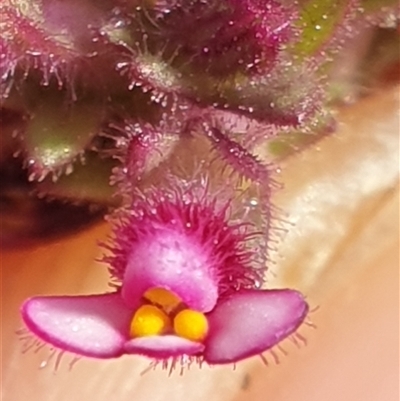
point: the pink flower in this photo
(188, 284)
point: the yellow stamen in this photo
(191, 324)
(162, 298)
(149, 321)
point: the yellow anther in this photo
(149, 321)
(191, 324)
(163, 298)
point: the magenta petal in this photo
(252, 321)
(95, 325)
(163, 346)
(170, 260)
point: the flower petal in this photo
(96, 325)
(163, 346)
(170, 260)
(252, 321)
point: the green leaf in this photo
(59, 130)
(319, 22)
(89, 182)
